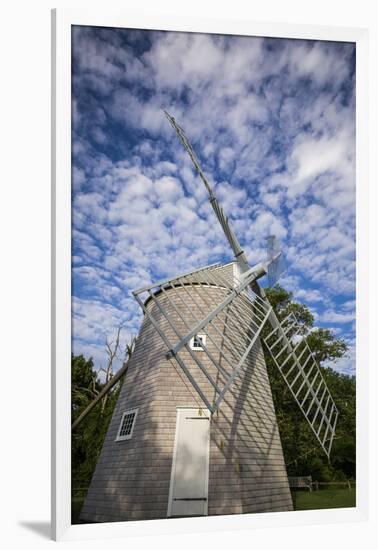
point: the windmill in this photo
(194, 431)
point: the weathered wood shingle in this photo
(247, 472)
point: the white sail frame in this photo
(301, 372)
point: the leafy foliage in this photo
(88, 438)
(303, 455)
(325, 346)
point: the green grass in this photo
(324, 498)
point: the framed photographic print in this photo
(207, 350)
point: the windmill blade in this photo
(184, 140)
(276, 263)
(289, 350)
(227, 314)
(219, 212)
(300, 370)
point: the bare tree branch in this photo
(111, 379)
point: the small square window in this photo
(126, 427)
(197, 342)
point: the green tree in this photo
(88, 438)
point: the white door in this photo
(190, 466)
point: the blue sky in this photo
(273, 124)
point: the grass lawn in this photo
(324, 498)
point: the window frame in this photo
(128, 436)
(196, 348)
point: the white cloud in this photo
(313, 157)
(267, 224)
(309, 295)
(318, 63)
(178, 58)
(274, 132)
(272, 200)
(305, 220)
(168, 189)
(337, 317)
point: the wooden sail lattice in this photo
(231, 328)
(288, 347)
(300, 370)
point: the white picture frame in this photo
(62, 20)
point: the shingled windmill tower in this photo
(194, 431)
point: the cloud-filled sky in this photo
(273, 124)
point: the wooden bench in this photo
(300, 482)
